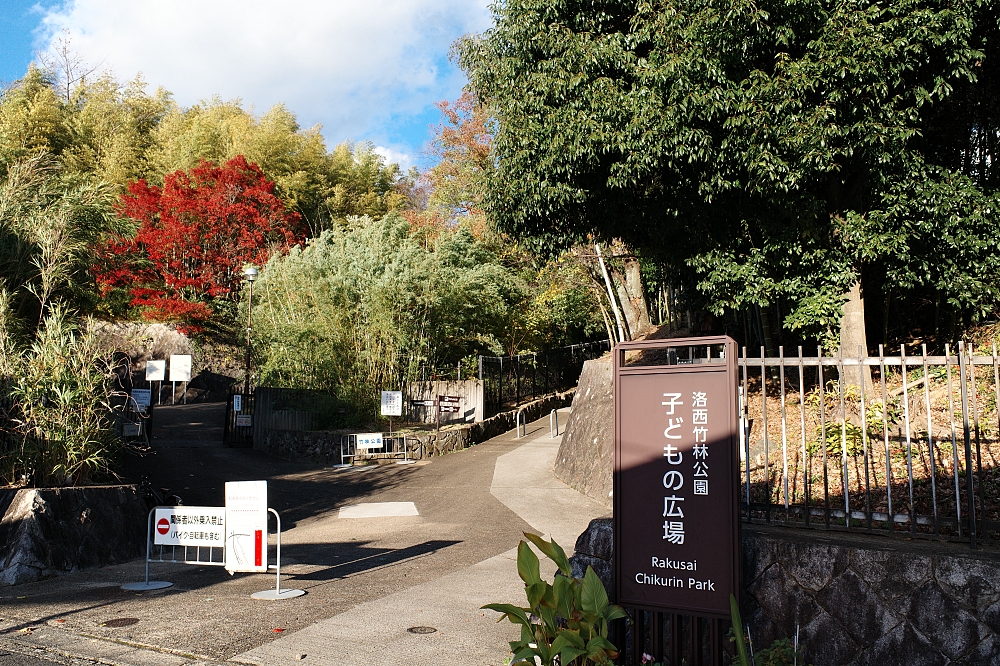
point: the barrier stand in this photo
(520, 422)
(554, 414)
(147, 584)
(277, 592)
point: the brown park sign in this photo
(676, 511)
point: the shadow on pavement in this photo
(354, 558)
(189, 457)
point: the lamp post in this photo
(250, 273)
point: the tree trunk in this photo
(632, 297)
(853, 341)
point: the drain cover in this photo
(119, 622)
(422, 630)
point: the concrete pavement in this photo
(368, 580)
(376, 633)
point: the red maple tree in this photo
(195, 235)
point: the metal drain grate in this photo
(120, 622)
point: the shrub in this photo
(57, 423)
(565, 622)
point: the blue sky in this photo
(367, 71)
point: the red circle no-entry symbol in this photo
(162, 526)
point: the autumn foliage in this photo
(195, 235)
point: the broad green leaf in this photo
(594, 597)
(551, 550)
(527, 564)
(516, 614)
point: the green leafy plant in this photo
(58, 422)
(566, 621)
(741, 645)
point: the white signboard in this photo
(244, 420)
(180, 368)
(237, 403)
(369, 440)
(190, 526)
(156, 371)
(392, 403)
(246, 526)
(141, 398)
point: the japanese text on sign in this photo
(189, 526)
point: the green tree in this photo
(323, 186)
(795, 151)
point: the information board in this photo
(141, 398)
(180, 368)
(202, 526)
(237, 403)
(156, 371)
(392, 403)
(246, 526)
(676, 512)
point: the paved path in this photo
(375, 633)
(368, 580)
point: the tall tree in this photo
(792, 151)
(194, 236)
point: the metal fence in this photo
(511, 380)
(906, 444)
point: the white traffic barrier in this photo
(147, 584)
(553, 432)
(277, 592)
(233, 536)
(520, 422)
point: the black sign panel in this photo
(677, 545)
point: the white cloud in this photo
(390, 155)
(347, 64)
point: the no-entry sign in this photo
(677, 544)
(202, 526)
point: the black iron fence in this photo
(906, 444)
(509, 381)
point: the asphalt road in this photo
(339, 562)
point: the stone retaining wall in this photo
(856, 599)
(44, 531)
(586, 454)
(323, 447)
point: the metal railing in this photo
(906, 443)
(509, 381)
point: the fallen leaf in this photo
(278, 630)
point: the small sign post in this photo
(156, 371)
(676, 479)
(180, 371)
(141, 397)
(392, 405)
(237, 402)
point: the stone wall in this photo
(323, 447)
(48, 530)
(857, 599)
(586, 454)
(506, 421)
